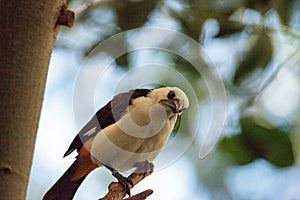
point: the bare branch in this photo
(117, 192)
(66, 17)
(140, 196)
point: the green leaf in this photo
(176, 126)
(122, 60)
(237, 150)
(259, 139)
(133, 14)
(268, 142)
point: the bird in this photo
(130, 129)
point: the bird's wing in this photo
(106, 116)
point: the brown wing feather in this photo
(84, 163)
(67, 185)
(106, 116)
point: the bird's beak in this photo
(177, 105)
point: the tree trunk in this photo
(27, 38)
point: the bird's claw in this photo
(144, 167)
(125, 182)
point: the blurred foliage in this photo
(283, 7)
(258, 55)
(193, 19)
(259, 137)
(133, 14)
(254, 141)
(123, 60)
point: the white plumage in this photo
(141, 133)
(132, 128)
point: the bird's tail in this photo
(66, 187)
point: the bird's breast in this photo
(126, 142)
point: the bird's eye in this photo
(171, 95)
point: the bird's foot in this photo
(144, 167)
(125, 182)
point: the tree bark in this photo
(27, 38)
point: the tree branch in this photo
(116, 190)
(141, 195)
(66, 17)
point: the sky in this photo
(69, 102)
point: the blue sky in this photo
(61, 120)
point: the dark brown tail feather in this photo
(64, 188)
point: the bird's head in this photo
(172, 98)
